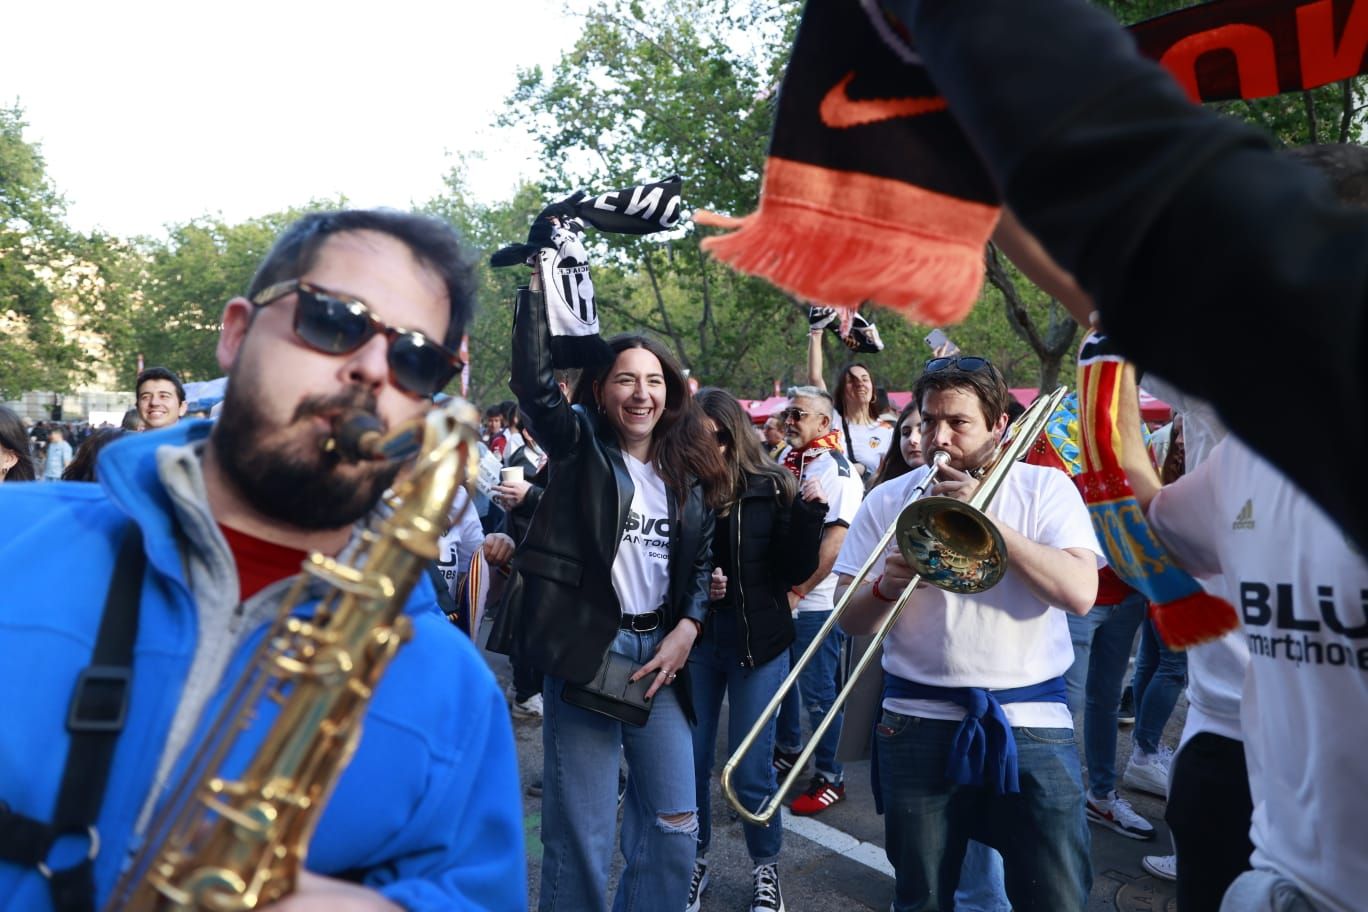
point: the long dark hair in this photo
(82, 465)
(744, 456)
(893, 463)
(843, 380)
(14, 438)
(680, 446)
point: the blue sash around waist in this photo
(984, 751)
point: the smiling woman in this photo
(613, 574)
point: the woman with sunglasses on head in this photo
(766, 541)
(16, 460)
(864, 437)
(616, 561)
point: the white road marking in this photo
(840, 842)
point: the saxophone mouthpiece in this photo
(356, 437)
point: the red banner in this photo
(1231, 49)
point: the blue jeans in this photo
(1102, 641)
(817, 687)
(1160, 676)
(579, 800)
(928, 820)
(715, 670)
(981, 887)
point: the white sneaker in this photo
(1115, 813)
(697, 884)
(1165, 867)
(531, 708)
(1149, 772)
(767, 897)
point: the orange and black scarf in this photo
(873, 193)
(796, 459)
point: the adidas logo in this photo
(1246, 518)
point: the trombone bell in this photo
(951, 545)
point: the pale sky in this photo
(151, 112)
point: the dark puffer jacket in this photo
(774, 547)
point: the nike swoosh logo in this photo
(839, 111)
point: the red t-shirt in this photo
(259, 562)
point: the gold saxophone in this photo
(223, 843)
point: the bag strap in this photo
(95, 717)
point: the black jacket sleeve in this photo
(695, 602)
(795, 547)
(533, 378)
(1215, 262)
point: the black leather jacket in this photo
(773, 548)
(566, 612)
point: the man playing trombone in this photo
(975, 740)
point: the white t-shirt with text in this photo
(843, 492)
(1004, 637)
(1302, 593)
(641, 571)
(459, 544)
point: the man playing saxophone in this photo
(975, 740)
(351, 312)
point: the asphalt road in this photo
(835, 861)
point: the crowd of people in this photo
(645, 553)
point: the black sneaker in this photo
(766, 897)
(1125, 712)
(697, 884)
(784, 760)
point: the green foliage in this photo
(36, 262)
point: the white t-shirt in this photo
(843, 492)
(1004, 637)
(1302, 594)
(459, 544)
(641, 571)
(867, 443)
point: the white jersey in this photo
(459, 544)
(1302, 593)
(843, 492)
(1004, 637)
(641, 570)
(865, 443)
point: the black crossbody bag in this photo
(612, 693)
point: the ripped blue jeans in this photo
(579, 800)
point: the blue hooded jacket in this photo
(428, 811)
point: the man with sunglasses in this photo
(816, 453)
(975, 740)
(354, 310)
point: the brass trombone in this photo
(951, 544)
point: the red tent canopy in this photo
(1154, 411)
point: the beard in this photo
(284, 473)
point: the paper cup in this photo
(511, 473)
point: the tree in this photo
(37, 352)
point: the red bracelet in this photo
(798, 592)
(879, 595)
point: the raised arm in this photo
(533, 378)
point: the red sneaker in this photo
(819, 796)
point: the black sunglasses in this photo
(336, 326)
(793, 414)
(967, 363)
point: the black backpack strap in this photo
(96, 715)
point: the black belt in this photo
(640, 623)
